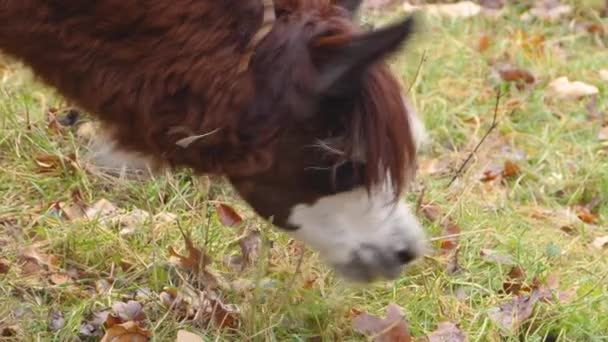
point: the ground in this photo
(529, 204)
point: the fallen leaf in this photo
(516, 75)
(177, 303)
(59, 278)
(37, 261)
(484, 43)
(393, 328)
(4, 266)
(186, 336)
(196, 260)
(10, 331)
(51, 162)
(127, 332)
(431, 211)
(493, 256)
(434, 166)
(101, 208)
(512, 314)
(585, 215)
(212, 308)
(604, 74)
(447, 332)
(103, 286)
(491, 173)
(515, 281)
(228, 216)
(600, 242)
(510, 169)
(251, 245)
(450, 240)
(564, 89)
(56, 322)
(93, 327)
(130, 311)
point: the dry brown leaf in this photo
(186, 336)
(431, 211)
(509, 74)
(563, 88)
(4, 266)
(447, 332)
(451, 237)
(491, 173)
(600, 242)
(94, 326)
(130, 311)
(56, 322)
(251, 245)
(585, 215)
(50, 162)
(59, 278)
(484, 43)
(493, 256)
(512, 314)
(196, 260)
(228, 216)
(510, 169)
(101, 208)
(127, 332)
(515, 281)
(177, 303)
(434, 166)
(211, 308)
(393, 328)
(33, 257)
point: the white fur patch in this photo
(361, 236)
(104, 155)
(418, 130)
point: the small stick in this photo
(492, 127)
(422, 60)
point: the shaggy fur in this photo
(185, 82)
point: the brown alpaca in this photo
(305, 120)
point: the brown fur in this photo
(157, 71)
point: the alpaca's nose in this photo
(405, 256)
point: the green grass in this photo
(565, 164)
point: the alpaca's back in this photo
(142, 65)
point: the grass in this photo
(565, 164)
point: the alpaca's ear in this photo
(342, 60)
(350, 5)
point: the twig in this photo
(420, 199)
(422, 60)
(492, 127)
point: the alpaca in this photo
(288, 99)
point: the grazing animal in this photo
(289, 100)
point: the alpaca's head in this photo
(342, 147)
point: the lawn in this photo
(520, 230)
